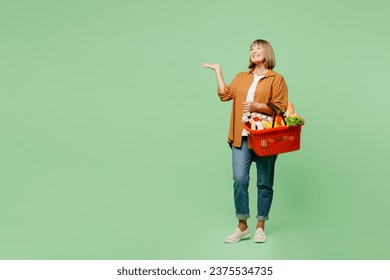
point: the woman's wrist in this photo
(263, 108)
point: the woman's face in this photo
(256, 54)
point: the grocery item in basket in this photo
(294, 121)
(290, 110)
(292, 118)
(257, 121)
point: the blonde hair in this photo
(269, 56)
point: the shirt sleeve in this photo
(228, 92)
(280, 94)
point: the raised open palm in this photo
(213, 66)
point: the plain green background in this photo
(113, 140)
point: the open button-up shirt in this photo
(270, 89)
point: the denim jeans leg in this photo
(265, 181)
(242, 159)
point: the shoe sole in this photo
(242, 238)
(260, 241)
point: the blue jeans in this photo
(242, 160)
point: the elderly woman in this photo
(251, 91)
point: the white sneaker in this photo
(260, 236)
(238, 235)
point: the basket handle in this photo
(276, 109)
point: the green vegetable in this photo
(294, 121)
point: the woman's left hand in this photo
(250, 107)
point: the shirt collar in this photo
(269, 73)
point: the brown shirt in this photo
(270, 89)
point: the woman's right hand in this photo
(218, 72)
(214, 66)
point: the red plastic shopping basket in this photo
(275, 140)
